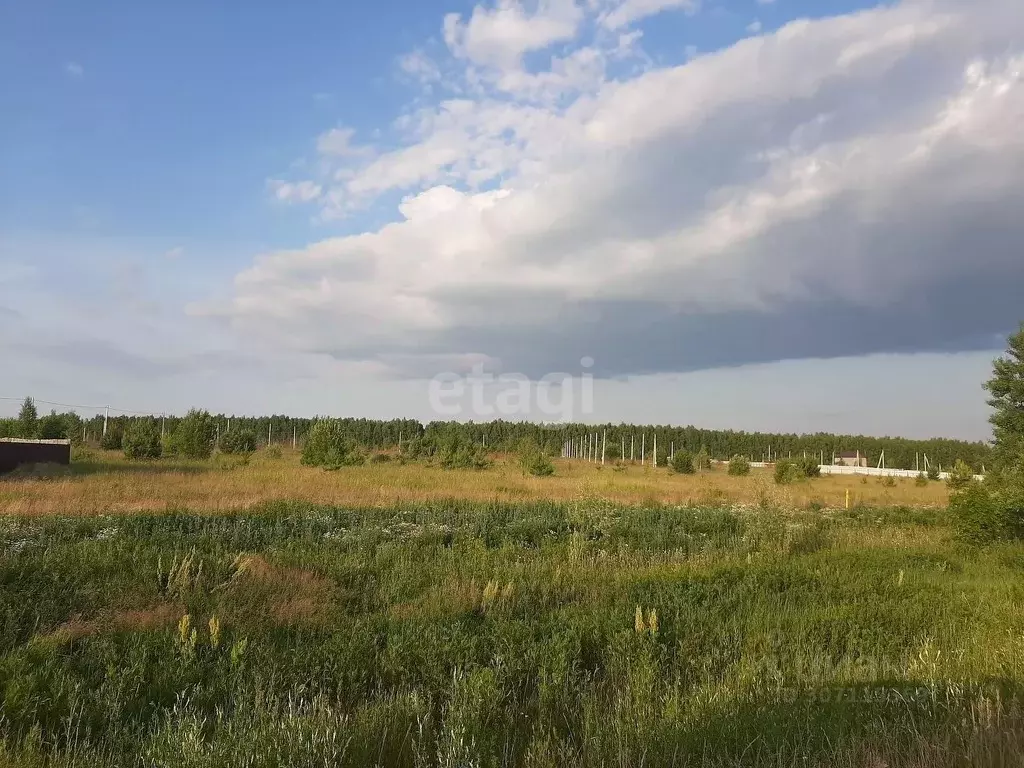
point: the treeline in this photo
(502, 436)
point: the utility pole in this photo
(106, 415)
(655, 450)
(643, 450)
(604, 446)
(270, 432)
(293, 437)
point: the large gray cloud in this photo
(841, 187)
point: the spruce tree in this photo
(28, 419)
(1007, 389)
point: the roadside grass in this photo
(104, 482)
(468, 633)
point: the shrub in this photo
(534, 461)
(142, 440)
(960, 477)
(791, 470)
(329, 446)
(979, 514)
(808, 466)
(195, 435)
(739, 466)
(922, 480)
(933, 472)
(682, 463)
(238, 441)
(111, 439)
(458, 453)
(702, 461)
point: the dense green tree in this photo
(534, 460)
(142, 440)
(195, 435)
(52, 427)
(330, 446)
(1007, 399)
(241, 441)
(682, 463)
(28, 419)
(739, 466)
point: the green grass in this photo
(454, 634)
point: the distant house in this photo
(851, 459)
(15, 452)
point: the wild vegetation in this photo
(100, 482)
(580, 634)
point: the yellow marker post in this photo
(847, 498)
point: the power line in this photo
(85, 407)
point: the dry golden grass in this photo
(108, 484)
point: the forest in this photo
(502, 436)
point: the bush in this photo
(933, 472)
(739, 466)
(921, 481)
(242, 442)
(702, 461)
(111, 440)
(682, 463)
(330, 447)
(787, 471)
(960, 477)
(195, 435)
(808, 466)
(534, 461)
(791, 470)
(142, 440)
(459, 453)
(979, 514)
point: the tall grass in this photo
(104, 482)
(458, 634)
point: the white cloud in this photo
(74, 69)
(420, 66)
(754, 27)
(499, 36)
(337, 142)
(295, 192)
(837, 168)
(174, 253)
(630, 11)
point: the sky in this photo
(775, 215)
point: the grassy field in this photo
(105, 483)
(260, 613)
(468, 634)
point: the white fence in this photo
(839, 469)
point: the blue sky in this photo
(317, 208)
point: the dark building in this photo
(15, 453)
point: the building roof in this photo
(34, 442)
